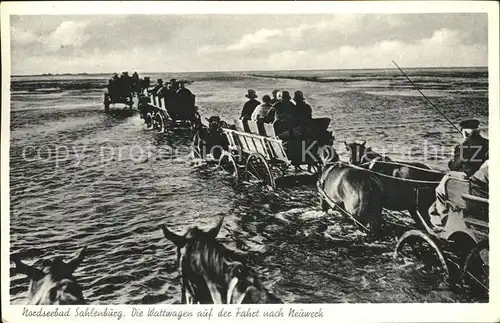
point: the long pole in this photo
(416, 88)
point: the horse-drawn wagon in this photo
(462, 244)
(160, 114)
(117, 97)
(459, 250)
(257, 153)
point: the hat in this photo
(275, 92)
(160, 81)
(298, 96)
(285, 95)
(251, 94)
(469, 124)
(173, 80)
(266, 98)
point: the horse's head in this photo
(53, 282)
(190, 237)
(356, 151)
(224, 275)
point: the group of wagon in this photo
(251, 151)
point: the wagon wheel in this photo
(158, 123)
(475, 271)
(228, 163)
(420, 247)
(257, 169)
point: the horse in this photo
(213, 274)
(365, 157)
(209, 139)
(357, 192)
(399, 193)
(53, 283)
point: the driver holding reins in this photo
(468, 157)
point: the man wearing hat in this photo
(249, 106)
(283, 113)
(175, 85)
(472, 152)
(468, 157)
(304, 111)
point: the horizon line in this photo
(225, 71)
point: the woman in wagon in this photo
(249, 106)
(467, 159)
(261, 111)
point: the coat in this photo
(469, 155)
(248, 108)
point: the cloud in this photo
(262, 36)
(245, 42)
(22, 37)
(443, 48)
(68, 33)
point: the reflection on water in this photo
(80, 177)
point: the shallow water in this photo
(79, 177)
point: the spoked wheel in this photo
(148, 119)
(475, 272)
(257, 170)
(419, 248)
(228, 163)
(158, 124)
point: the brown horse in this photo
(365, 157)
(400, 182)
(53, 283)
(357, 192)
(212, 274)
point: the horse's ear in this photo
(215, 231)
(31, 272)
(363, 142)
(207, 119)
(346, 144)
(178, 240)
(75, 262)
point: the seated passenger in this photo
(185, 101)
(274, 99)
(157, 87)
(261, 111)
(468, 158)
(249, 106)
(304, 111)
(175, 85)
(283, 113)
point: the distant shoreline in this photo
(257, 71)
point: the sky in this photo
(189, 43)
